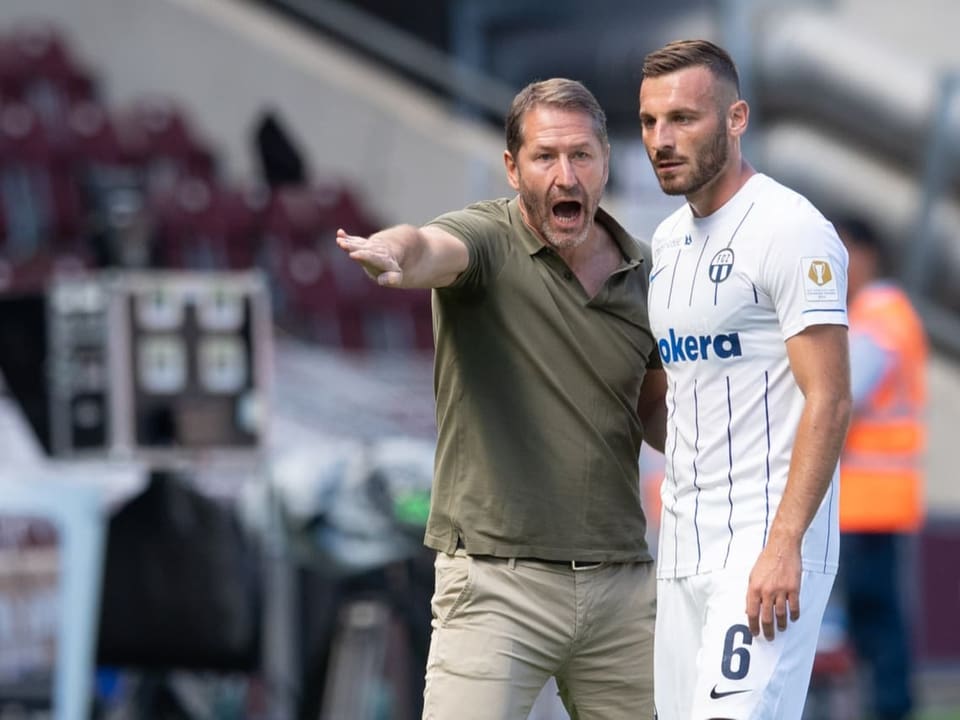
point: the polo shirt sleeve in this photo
(484, 234)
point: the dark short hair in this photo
(555, 92)
(683, 54)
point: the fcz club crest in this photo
(721, 265)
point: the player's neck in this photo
(715, 194)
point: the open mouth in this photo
(567, 212)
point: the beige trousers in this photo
(501, 628)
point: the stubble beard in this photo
(540, 213)
(708, 165)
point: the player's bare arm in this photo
(405, 256)
(820, 361)
(652, 408)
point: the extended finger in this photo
(767, 604)
(793, 599)
(375, 258)
(780, 611)
(753, 613)
(348, 241)
(766, 617)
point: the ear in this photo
(738, 117)
(513, 173)
(606, 164)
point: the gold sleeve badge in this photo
(819, 282)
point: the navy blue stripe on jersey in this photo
(739, 224)
(756, 298)
(729, 471)
(673, 472)
(674, 273)
(810, 310)
(673, 276)
(826, 549)
(766, 489)
(693, 280)
(696, 450)
(716, 285)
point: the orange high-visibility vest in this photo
(881, 481)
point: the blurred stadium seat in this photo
(318, 291)
(111, 185)
(155, 132)
(305, 295)
(86, 184)
(41, 205)
(37, 67)
(203, 225)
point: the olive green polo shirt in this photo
(536, 388)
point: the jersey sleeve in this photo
(805, 273)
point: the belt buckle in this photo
(579, 565)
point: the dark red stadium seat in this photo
(26, 190)
(35, 166)
(322, 288)
(304, 293)
(111, 184)
(155, 132)
(91, 137)
(37, 67)
(40, 48)
(200, 224)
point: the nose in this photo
(566, 175)
(658, 136)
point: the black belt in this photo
(575, 565)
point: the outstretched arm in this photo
(819, 359)
(406, 256)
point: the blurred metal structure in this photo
(159, 366)
(406, 53)
(868, 132)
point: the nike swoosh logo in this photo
(714, 695)
(657, 272)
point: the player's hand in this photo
(774, 589)
(374, 255)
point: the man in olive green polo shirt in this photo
(546, 377)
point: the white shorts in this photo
(707, 665)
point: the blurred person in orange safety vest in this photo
(881, 480)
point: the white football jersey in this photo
(726, 292)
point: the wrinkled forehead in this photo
(554, 123)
